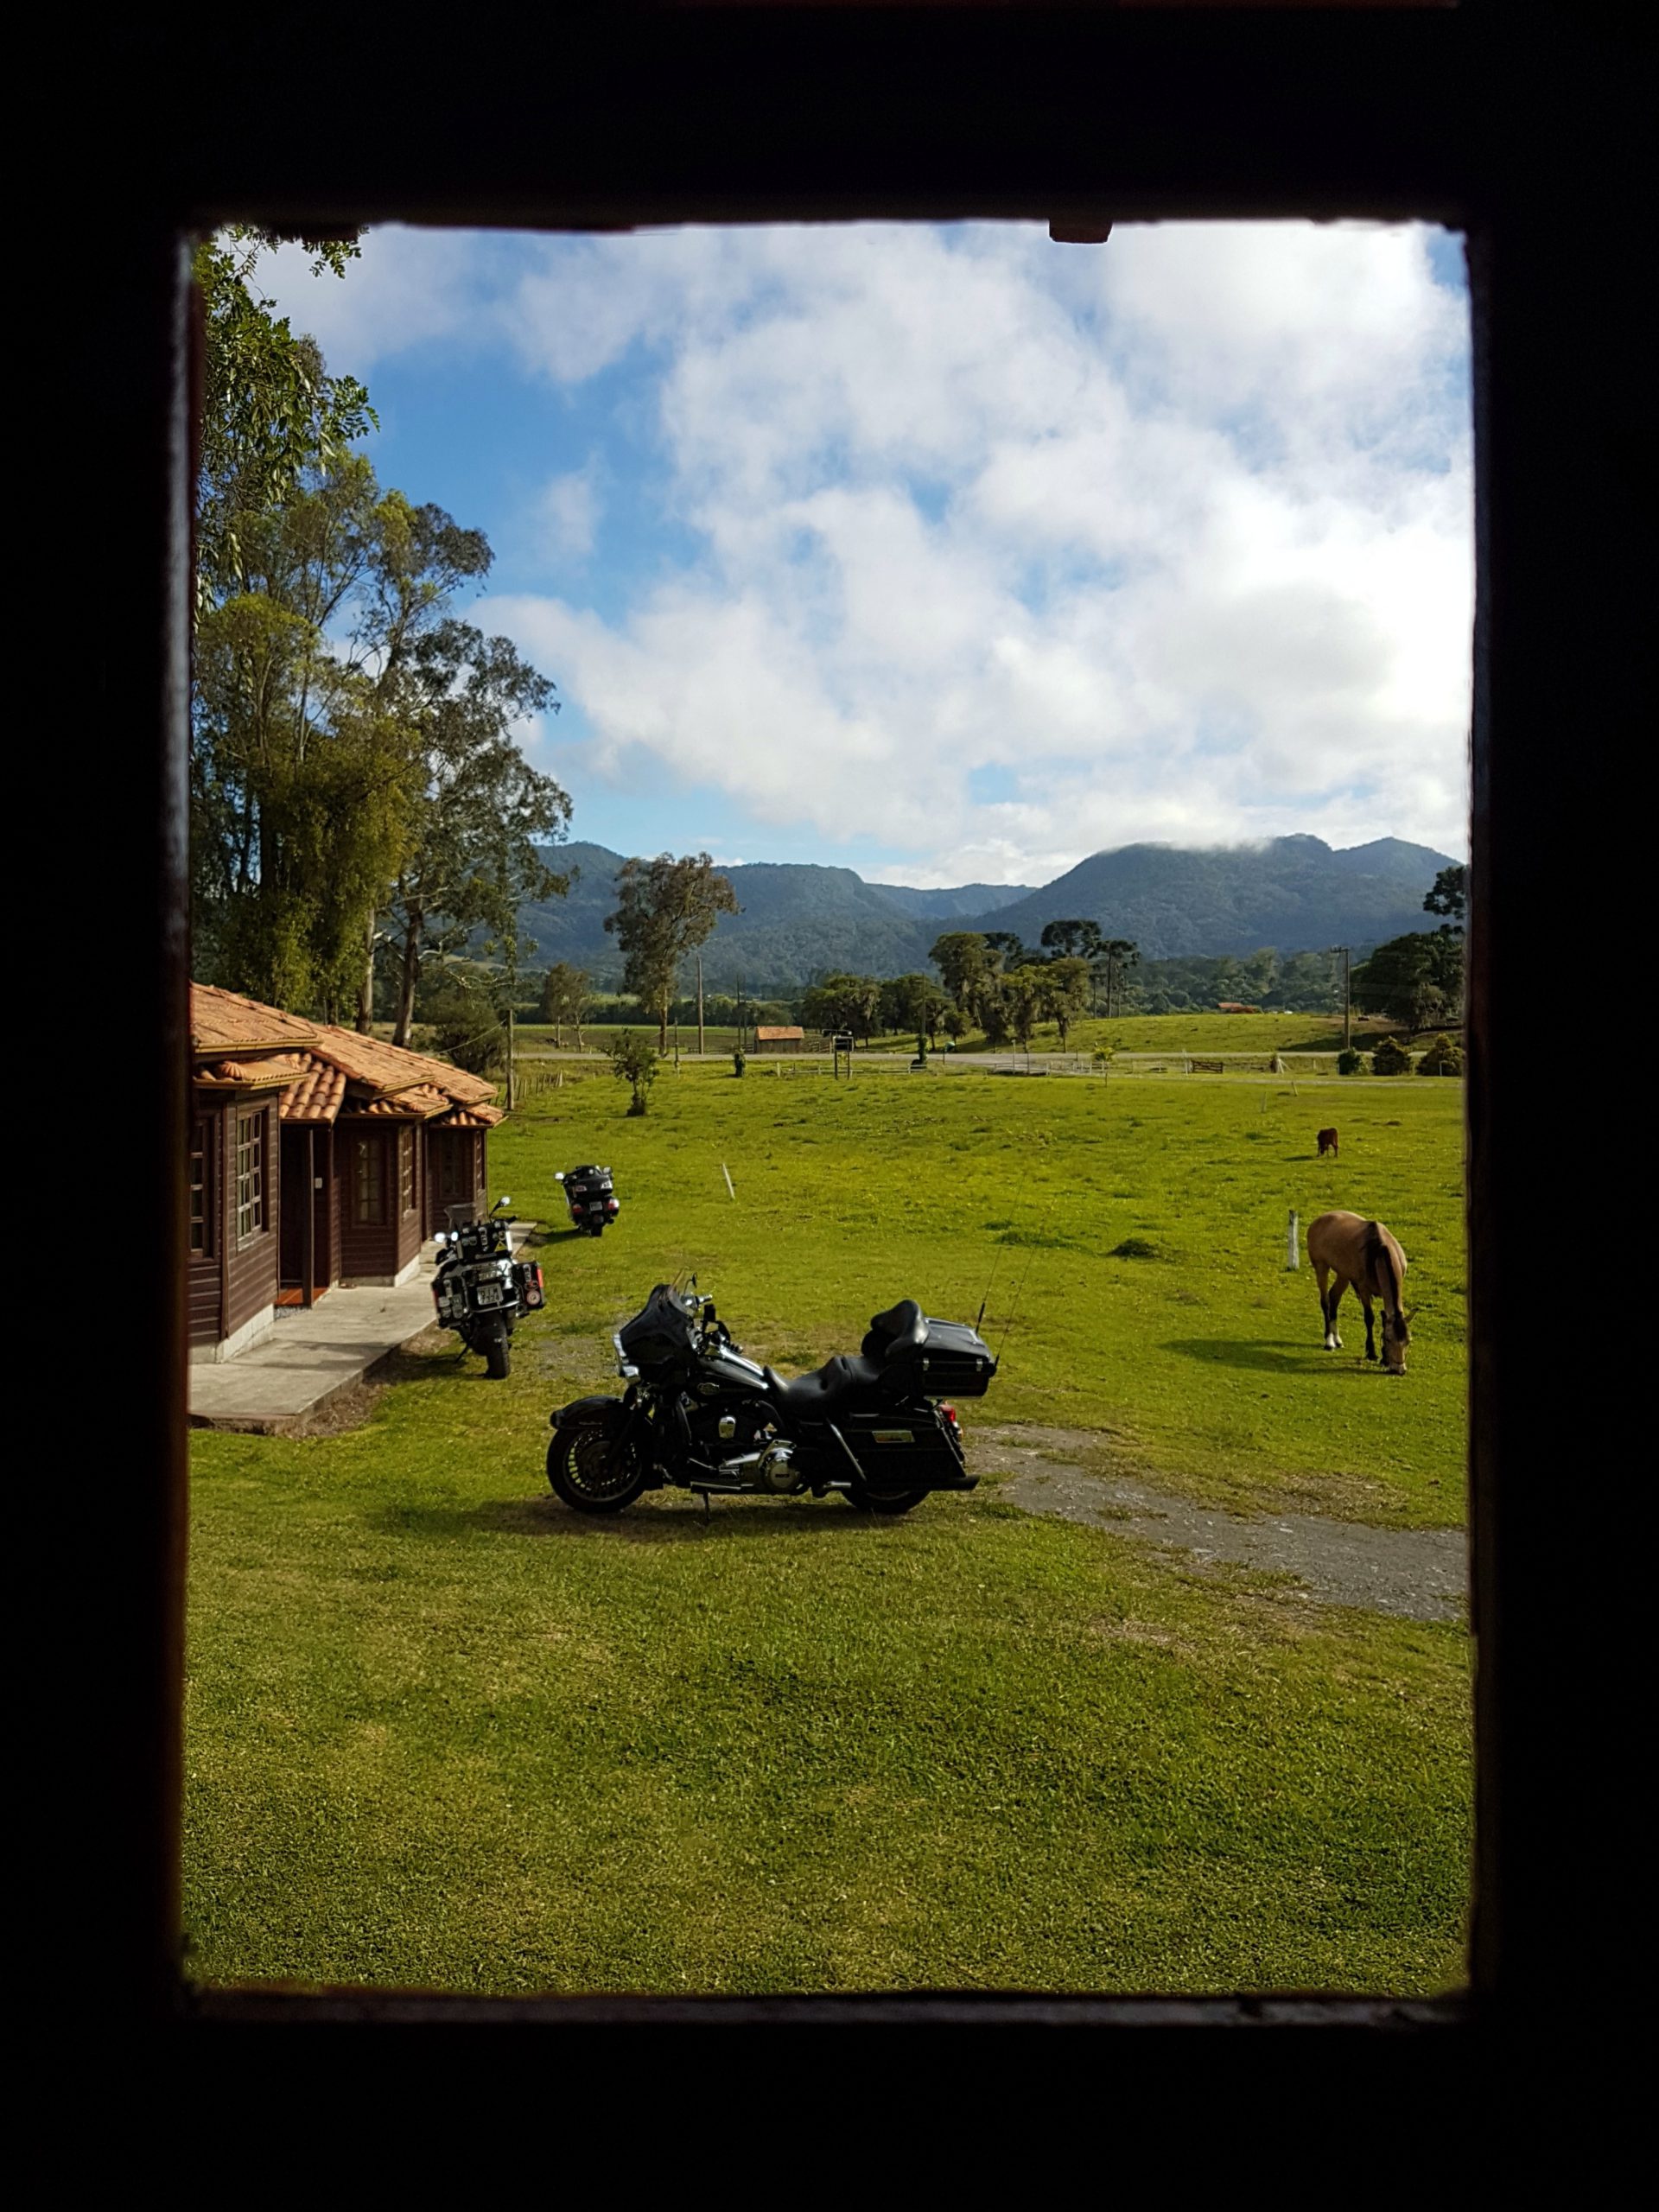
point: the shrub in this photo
(1443, 1056)
(1390, 1057)
(633, 1060)
(740, 1061)
(1348, 1062)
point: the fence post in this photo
(1291, 1259)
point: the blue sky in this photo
(950, 554)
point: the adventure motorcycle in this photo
(480, 1288)
(591, 1197)
(701, 1416)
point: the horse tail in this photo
(1383, 1272)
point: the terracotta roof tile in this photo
(220, 1022)
(245, 1032)
(317, 1095)
(254, 1073)
(471, 1117)
(392, 1068)
(418, 1104)
(776, 1036)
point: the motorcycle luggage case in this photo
(956, 1361)
(899, 1450)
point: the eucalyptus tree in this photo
(666, 910)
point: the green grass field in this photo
(1203, 1363)
(443, 1731)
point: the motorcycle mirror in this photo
(502, 1201)
(558, 1178)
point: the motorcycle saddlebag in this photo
(955, 1361)
(904, 1450)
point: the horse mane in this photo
(1381, 1261)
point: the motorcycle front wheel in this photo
(593, 1472)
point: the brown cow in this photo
(1328, 1143)
(1346, 1249)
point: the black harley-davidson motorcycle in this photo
(480, 1288)
(697, 1414)
(591, 1196)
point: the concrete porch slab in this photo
(277, 1385)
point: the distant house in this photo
(780, 1040)
(1233, 1005)
(317, 1157)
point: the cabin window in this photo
(369, 1180)
(201, 1190)
(249, 1175)
(406, 1168)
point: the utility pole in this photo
(1347, 999)
(510, 1088)
(700, 1047)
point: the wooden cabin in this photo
(780, 1040)
(319, 1158)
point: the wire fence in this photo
(537, 1073)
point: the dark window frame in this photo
(250, 1178)
(408, 1175)
(203, 1241)
(1521, 134)
(369, 1208)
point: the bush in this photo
(740, 1061)
(1348, 1062)
(1390, 1057)
(633, 1060)
(1443, 1056)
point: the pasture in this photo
(441, 1731)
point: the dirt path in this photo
(1420, 1574)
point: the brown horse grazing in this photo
(1344, 1249)
(1328, 1143)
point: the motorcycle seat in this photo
(901, 1329)
(841, 1385)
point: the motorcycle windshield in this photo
(662, 1331)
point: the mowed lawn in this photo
(1201, 1362)
(443, 1731)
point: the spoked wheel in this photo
(593, 1472)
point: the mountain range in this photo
(800, 921)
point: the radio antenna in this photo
(989, 1286)
(1020, 1287)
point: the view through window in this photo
(910, 782)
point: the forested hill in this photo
(1297, 894)
(798, 921)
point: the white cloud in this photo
(567, 513)
(1177, 532)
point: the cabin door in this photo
(303, 1233)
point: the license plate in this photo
(489, 1294)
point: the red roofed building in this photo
(317, 1157)
(780, 1040)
